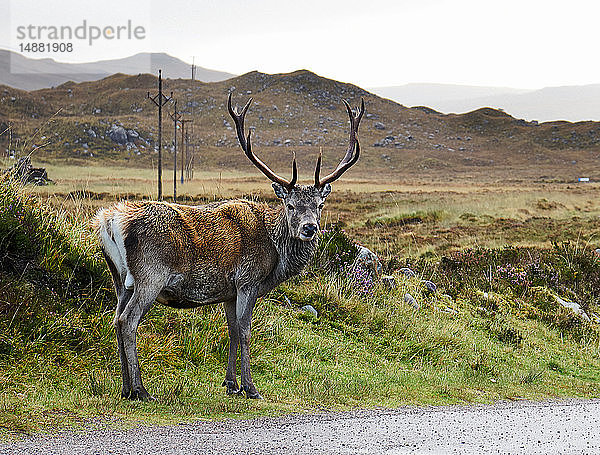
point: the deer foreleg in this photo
(232, 327)
(244, 306)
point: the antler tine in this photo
(294, 172)
(318, 167)
(350, 158)
(238, 118)
(246, 145)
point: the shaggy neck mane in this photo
(294, 253)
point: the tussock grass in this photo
(489, 333)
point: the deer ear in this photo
(325, 190)
(280, 191)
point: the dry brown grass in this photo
(394, 217)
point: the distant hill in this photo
(300, 111)
(572, 103)
(440, 96)
(25, 73)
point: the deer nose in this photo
(309, 229)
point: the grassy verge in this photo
(492, 331)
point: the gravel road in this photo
(564, 427)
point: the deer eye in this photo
(291, 208)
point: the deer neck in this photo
(293, 253)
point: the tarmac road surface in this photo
(553, 427)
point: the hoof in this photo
(232, 387)
(140, 395)
(252, 393)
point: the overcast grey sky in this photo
(515, 43)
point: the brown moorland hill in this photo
(298, 111)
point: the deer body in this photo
(213, 248)
(232, 252)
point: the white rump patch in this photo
(111, 234)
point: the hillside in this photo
(25, 73)
(298, 111)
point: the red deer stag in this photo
(231, 251)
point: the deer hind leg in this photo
(123, 299)
(232, 327)
(244, 306)
(128, 322)
(123, 296)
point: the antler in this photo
(350, 158)
(238, 118)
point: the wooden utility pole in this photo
(160, 100)
(190, 160)
(184, 142)
(176, 117)
(191, 145)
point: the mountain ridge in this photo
(569, 102)
(25, 73)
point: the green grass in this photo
(490, 333)
(403, 219)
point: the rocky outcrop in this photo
(23, 171)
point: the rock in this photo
(118, 134)
(91, 133)
(430, 286)
(367, 260)
(449, 310)
(132, 135)
(379, 126)
(389, 282)
(573, 307)
(309, 309)
(407, 272)
(411, 301)
(23, 171)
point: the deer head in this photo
(302, 203)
